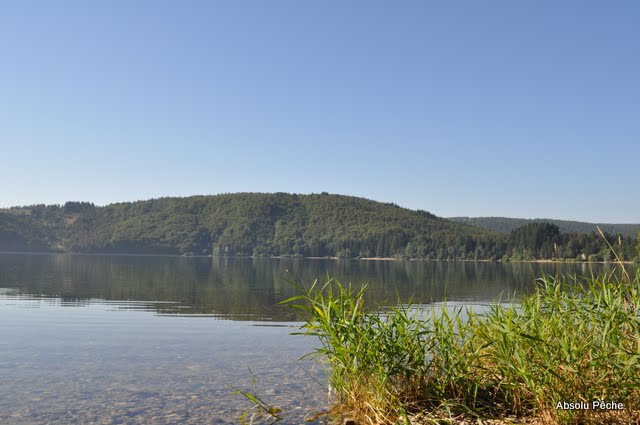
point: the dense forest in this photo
(281, 224)
(507, 225)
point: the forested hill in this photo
(246, 224)
(507, 225)
(281, 224)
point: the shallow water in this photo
(108, 362)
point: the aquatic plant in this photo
(570, 341)
(260, 409)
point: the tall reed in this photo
(570, 341)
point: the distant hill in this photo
(283, 224)
(507, 225)
(254, 224)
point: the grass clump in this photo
(569, 341)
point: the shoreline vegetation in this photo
(285, 257)
(567, 354)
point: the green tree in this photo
(535, 239)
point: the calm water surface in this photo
(142, 340)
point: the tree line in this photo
(282, 224)
(507, 225)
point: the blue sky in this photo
(478, 108)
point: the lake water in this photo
(161, 340)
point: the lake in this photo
(160, 340)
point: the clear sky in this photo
(476, 108)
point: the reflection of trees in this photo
(250, 288)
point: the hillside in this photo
(246, 224)
(19, 232)
(281, 224)
(507, 225)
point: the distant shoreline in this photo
(125, 254)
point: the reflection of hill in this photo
(251, 288)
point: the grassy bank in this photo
(569, 342)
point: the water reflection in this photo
(251, 288)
